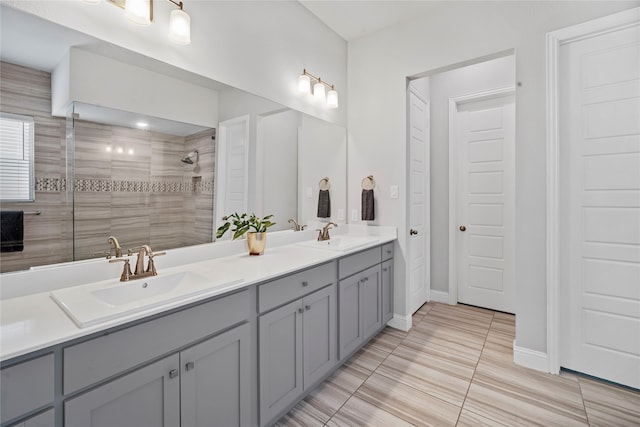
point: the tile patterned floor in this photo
(455, 368)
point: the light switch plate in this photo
(340, 214)
(393, 191)
(354, 214)
(309, 192)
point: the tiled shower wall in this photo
(146, 197)
(144, 194)
(48, 236)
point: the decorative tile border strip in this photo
(124, 186)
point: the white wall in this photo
(258, 46)
(322, 152)
(98, 80)
(278, 149)
(459, 31)
(494, 74)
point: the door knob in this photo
(413, 232)
(463, 228)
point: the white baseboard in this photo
(440, 296)
(403, 323)
(532, 359)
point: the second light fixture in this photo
(319, 90)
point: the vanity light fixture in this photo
(319, 90)
(141, 12)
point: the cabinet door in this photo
(215, 381)
(319, 334)
(280, 337)
(371, 301)
(350, 316)
(148, 397)
(387, 291)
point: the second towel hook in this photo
(368, 183)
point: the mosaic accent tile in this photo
(120, 186)
(51, 184)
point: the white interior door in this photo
(484, 135)
(419, 241)
(232, 186)
(599, 205)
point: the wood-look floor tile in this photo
(348, 378)
(388, 339)
(519, 396)
(436, 376)
(469, 419)
(325, 400)
(608, 405)
(358, 412)
(463, 320)
(367, 359)
(302, 415)
(407, 403)
(459, 352)
(456, 339)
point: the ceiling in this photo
(352, 19)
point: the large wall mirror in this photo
(113, 158)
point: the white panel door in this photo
(485, 238)
(232, 186)
(599, 200)
(419, 239)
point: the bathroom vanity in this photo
(239, 354)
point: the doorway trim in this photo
(554, 40)
(453, 176)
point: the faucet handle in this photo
(151, 266)
(126, 270)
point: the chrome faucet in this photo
(140, 271)
(296, 226)
(113, 241)
(324, 233)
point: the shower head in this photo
(190, 158)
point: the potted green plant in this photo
(254, 227)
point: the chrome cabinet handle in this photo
(189, 366)
(385, 269)
(307, 307)
(413, 232)
(173, 373)
(301, 310)
(463, 228)
(305, 283)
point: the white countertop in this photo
(32, 322)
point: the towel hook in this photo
(368, 183)
(324, 183)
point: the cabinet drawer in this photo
(26, 386)
(387, 251)
(280, 291)
(97, 359)
(357, 262)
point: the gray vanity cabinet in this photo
(360, 309)
(296, 349)
(204, 385)
(387, 291)
(149, 396)
(215, 381)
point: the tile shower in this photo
(128, 182)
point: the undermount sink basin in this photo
(340, 243)
(92, 304)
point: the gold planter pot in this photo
(256, 242)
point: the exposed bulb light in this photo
(304, 84)
(130, 151)
(180, 26)
(319, 91)
(120, 150)
(142, 125)
(108, 149)
(138, 11)
(332, 98)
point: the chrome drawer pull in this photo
(305, 283)
(301, 310)
(189, 366)
(307, 307)
(173, 373)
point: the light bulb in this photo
(304, 84)
(319, 91)
(332, 98)
(180, 27)
(138, 11)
